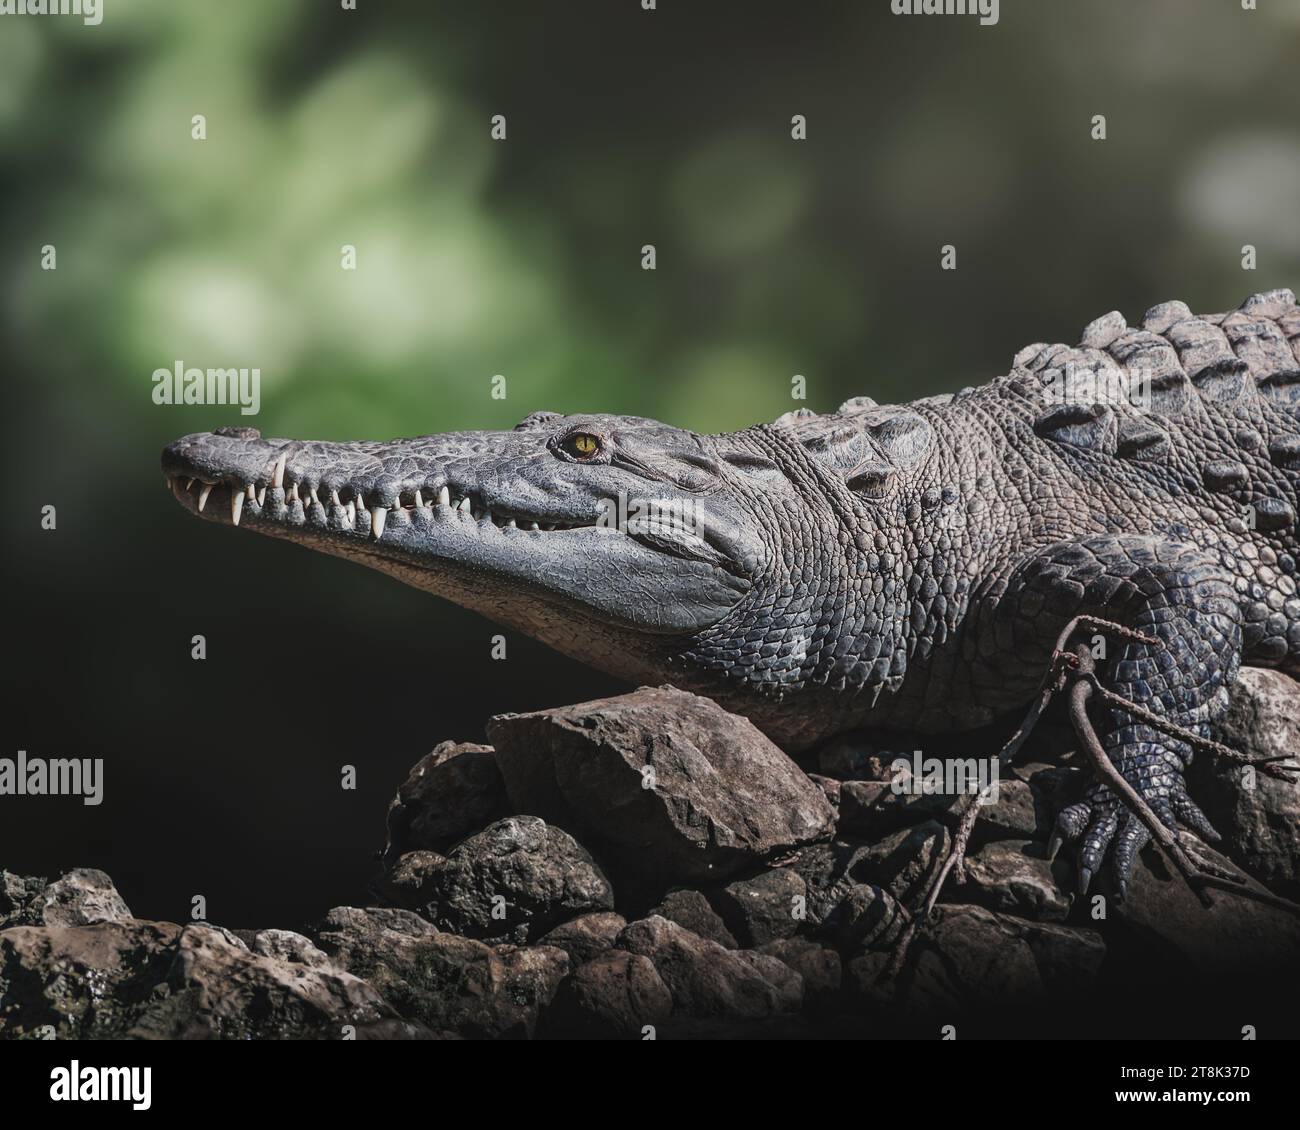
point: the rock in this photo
(765, 907)
(872, 809)
(853, 757)
(80, 897)
(514, 881)
(586, 937)
(968, 958)
(705, 979)
(448, 983)
(780, 975)
(230, 937)
(1237, 937)
(85, 982)
(155, 980)
(612, 997)
(868, 918)
(77, 898)
(222, 990)
(20, 900)
(819, 967)
(1055, 787)
(451, 793)
(867, 985)
(1258, 816)
(1015, 877)
(409, 883)
(721, 796)
(286, 946)
(828, 874)
(691, 910)
(829, 786)
(1018, 813)
(904, 862)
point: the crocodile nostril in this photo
(238, 433)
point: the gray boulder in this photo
(450, 793)
(156, 980)
(971, 958)
(669, 782)
(586, 937)
(693, 911)
(616, 996)
(21, 900)
(765, 907)
(1236, 937)
(450, 984)
(514, 881)
(903, 863)
(1015, 877)
(1258, 816)
(872, 809)
(868, 918)
(77, 898)
(819, 967)
(289, 947)
(708, 981)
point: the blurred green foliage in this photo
(522, 257)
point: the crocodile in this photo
(895, 568)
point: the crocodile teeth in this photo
(277, 476)
(510, 524)
(377, 518)
(250, 492)
(352, 514)
(203, 495)
(533, 526)
(312, 492)
(293, 492)
(261, 497)
(334, 498)
(236, 506)
(463, 504)
(188, 483)
(419, 501)
(444, 496)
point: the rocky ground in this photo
(651, 865)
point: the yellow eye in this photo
(583, 445)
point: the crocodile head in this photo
(610, 538)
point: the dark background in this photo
(521, 258)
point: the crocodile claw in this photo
(1102, 825)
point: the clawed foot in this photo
(1102, 822)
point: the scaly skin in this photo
(888, 567)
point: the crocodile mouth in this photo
(475, 542)
(345, 509)
(267, 495)
(416, 519)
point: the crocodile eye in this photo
(582, 445)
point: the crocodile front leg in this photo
(1182, 598)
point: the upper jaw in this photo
(234, 475)
(356, 491)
